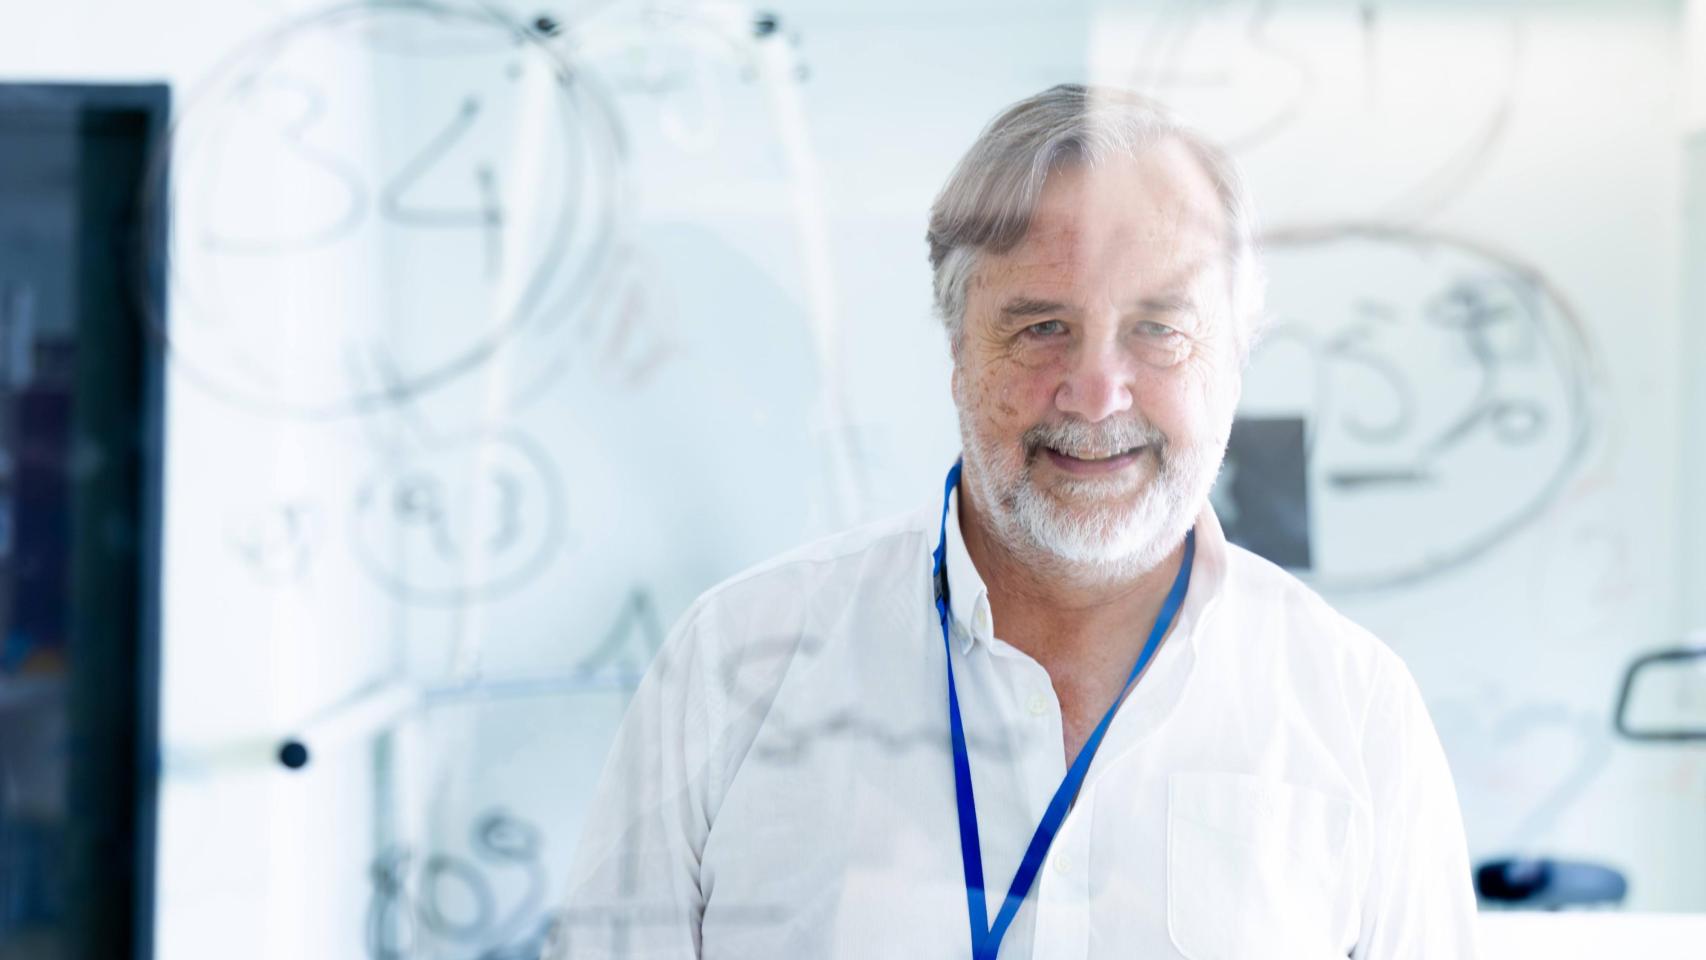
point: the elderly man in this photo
(1056, 714)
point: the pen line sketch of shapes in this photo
(296, 135)
(503, 838)
(595, 149)
(1464, 307)
(1323, 406)
(1431, 194)
(851, 725)
(786, 740)
(490, 216)
(426, 914)
(717, 32)
(1511, 421)
(550, 539)
(758, 650)
(1169, 47)
(1292, 330)
(636, 620)
(1569, 352)
(435, 918)
(396, 38)
(1257, 31)
(392, 928)
(370, 365)
(278, 542)
(558, 346)
(1343, 347)
(665, 57)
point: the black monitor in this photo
(80, 442)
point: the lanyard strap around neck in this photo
(985, 939)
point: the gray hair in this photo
(988, 201)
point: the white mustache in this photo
(1090, 441)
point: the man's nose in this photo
(1098, 382)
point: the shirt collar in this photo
(968, 598)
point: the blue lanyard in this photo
(985, 939)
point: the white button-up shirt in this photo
(783, 787)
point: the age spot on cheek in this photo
(990, 395)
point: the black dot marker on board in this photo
(294, 754)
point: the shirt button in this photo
(1062, 864)
(1038, 704)
(980, 620)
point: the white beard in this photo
(1097, 529)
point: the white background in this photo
(672, 474)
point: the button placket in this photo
(1063, 902)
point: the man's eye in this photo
(1047, 328)
(1159, 331)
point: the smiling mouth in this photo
(1091, 464)
(1087, 458)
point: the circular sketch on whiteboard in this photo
(1445, 388)
(465, 522)
(391, 187)
(1259, 76)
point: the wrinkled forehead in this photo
(1155, 213)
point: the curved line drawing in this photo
(296, 134)
(797, 740)
(393, 40)
(278, 542)
(489, 217)
(373, 368)
(1568, 352)
(1432, 192)
(499, 840)
(427, 510)
(630, 643)
(499, 835)
(1345, 348)
(432, 912)
(595, 184)
(1300, 67)
(392, 929)
(1169, 48)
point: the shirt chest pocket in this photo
(1253, 868)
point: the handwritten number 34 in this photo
(395, 201)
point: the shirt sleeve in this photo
(634, 890)
(1419, 902)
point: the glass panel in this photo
(495, 334)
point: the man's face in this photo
(1097, 369)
